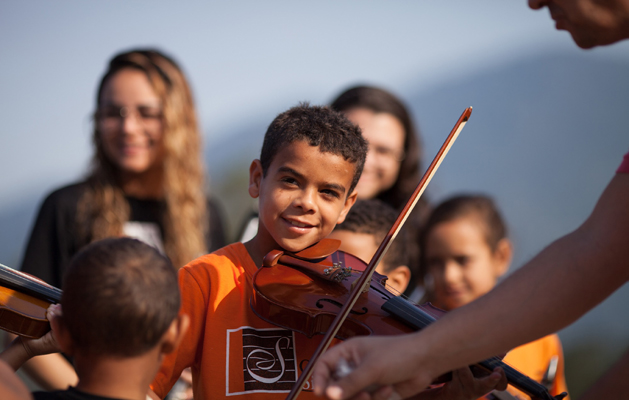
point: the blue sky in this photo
(243, 58)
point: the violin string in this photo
(394, 291)
(397, 293)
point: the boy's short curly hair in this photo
(375, 217)
(318, 126)
(119, 297)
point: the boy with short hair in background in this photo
(364, 228)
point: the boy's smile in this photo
(302, 197)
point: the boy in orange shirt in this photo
(310, 162)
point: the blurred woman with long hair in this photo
(146, 179)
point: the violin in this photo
(305, 295)
(24, 300)
(324, 291)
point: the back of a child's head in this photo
(318, 126)
(375, 218)
(481, 208)
(120, 296)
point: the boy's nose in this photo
(306, 200)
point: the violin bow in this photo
(363, 282)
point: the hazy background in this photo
(547, 132)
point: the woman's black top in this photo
(55, 237)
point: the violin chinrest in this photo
(321, 249)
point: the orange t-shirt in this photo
(232, 352)
(532, 359)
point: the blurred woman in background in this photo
(146, 181)
(392, 168)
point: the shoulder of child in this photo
(231, 256)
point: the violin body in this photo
(22, 314)
(306, 296)
(301, 300)
(24, 300)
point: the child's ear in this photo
(399, 278)
(255, 177)
(62, 335)
(349, 202)
(175, 333)
(502, 256)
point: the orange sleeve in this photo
(560, 379)
(193, 303)
(533, 359)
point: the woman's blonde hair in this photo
(103, 209)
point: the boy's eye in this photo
(331, 193)
(290, 180)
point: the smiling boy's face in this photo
(302, 197)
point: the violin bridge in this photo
(337, 272)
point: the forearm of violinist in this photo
(51, 372)
(11, 387)
(555, 288)
(15, 354)
(21, 349)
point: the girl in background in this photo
(465, 250)
(146, 181)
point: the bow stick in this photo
(365, 279)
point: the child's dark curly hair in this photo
(318, 126)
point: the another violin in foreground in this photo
(24, 300)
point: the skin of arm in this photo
(56, 370)
(17, 353)
(11, 387)
(568, 278)
(51, 372)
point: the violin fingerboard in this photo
(26, 284)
